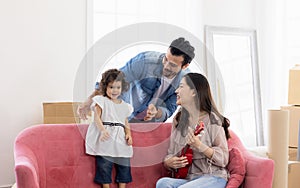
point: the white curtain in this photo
(278, 24)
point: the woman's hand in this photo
(192, 140)
(176, 162)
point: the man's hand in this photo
(151, 112)
(83, 110)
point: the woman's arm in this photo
(194, 142)
(220, 156)
(171, 161)
(218, 152)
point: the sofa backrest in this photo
(59, 152)
(259, 171)
(60, 155)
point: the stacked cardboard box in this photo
(294, 111)
(294, 89)
(60, 112)
(294, 117)
(294, 174)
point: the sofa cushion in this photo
(236, 167)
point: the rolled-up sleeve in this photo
(219, 145)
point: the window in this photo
(105, 17)
(234, 76)
(292, 32)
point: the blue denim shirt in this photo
(144, 72)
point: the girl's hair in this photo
(109, 76)
(205, 103)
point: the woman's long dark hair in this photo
(205, 103)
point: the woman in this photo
(210, 151)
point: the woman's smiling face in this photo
(185, 95)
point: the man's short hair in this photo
(182, 47)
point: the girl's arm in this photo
(97, 119)
(128, 133)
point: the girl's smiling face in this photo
(114, 90)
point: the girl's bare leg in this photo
(106, 185)
(122, 185)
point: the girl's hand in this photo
(104, 135)
(128, 139)
(192, 140)
(176, 162)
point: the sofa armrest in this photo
(26, 167)
(259, 171)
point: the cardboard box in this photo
(294, 87)
(294, 174)
(60, 112)
(294, 114)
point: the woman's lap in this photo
(199, 182)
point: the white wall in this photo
(41, 46)
(230, 13)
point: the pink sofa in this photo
(53, 156)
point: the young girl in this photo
(108, 137)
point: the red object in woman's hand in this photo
(188, 153)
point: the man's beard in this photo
(167, 73)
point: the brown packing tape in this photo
(293, 154)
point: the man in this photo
(153, 78)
